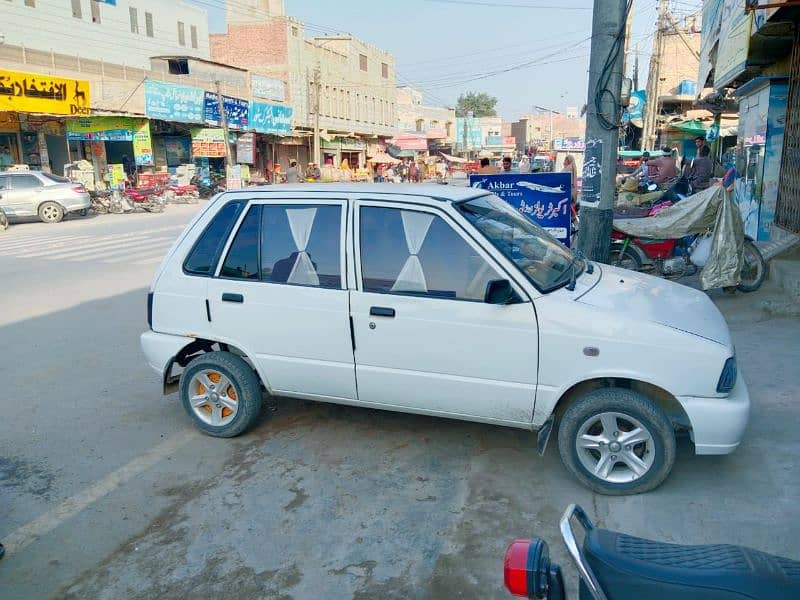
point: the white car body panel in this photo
(468, 360)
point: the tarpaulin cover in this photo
(710, 209)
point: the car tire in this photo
(585, 423)
(210, 417)
(83, 212)
(51, 212)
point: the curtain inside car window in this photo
(301, 221)
(411, 277)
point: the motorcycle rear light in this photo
(515, 568)
(728, 377)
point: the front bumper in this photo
(718, 423)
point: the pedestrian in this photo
(525, 164)
(312, 172)
(293, 173)
(666, 169)
(6, 160)
(413, 172)
(404, 172)
(642, 174)
(701, 170)
(570, 167)
(506, 164)
(699, 142)
(487, 168)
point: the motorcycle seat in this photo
(633, 568)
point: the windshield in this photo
(543, 260)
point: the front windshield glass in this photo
(543, 260)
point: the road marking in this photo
(29, 533)
(99, 249)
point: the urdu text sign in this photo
(35, 93)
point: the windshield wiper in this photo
(573, 274)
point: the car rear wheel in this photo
(617, 442)
(51, 212)
(221, 393)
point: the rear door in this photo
(425, 339)
(280, 295)
(25, 194)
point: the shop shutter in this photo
(787, 211)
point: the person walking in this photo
(292, 173)
(570, 167)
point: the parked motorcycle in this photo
(616, 566)
(181, 194)
(147, 199)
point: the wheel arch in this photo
(656, 394)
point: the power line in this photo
(510, 5)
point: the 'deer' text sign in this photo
(35, 93)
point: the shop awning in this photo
(407, 141)
(383, 158)
(692, 126)
(453, 159)
(399, 153)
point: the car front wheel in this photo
(221, 393)
(617, 442)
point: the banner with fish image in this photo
(542, 197)
(35, 93)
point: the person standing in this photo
(487, 168)
(525, 164)
(701, 170)
(569, 167)
(506, 164)
(413, 172)
(6, 160)
(292, 173)
(313, 172)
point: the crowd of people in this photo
(664, 168)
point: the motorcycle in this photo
(148, 199)
(616, 566)
(181, 194)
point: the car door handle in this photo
(381, 311)
(226, 297)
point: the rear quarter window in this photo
(204, 255)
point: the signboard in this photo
(143, 146)
(234, 177)
(268, 88)
(209, 143)
(734, 42)
(472, 133)
(712, 15)
(592, 173)
(542, 197)
(115, 129)
(245, 148)
(271, 118)
(34, 93)
(178, 150)
(762, 15)
(116, 174)
(236, 111)
(634, 112)
(570, 143)
(169, 102)
(494, 140)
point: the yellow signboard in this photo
(35, 93)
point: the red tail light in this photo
(78, 188)
(515, 568)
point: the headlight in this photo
(728, 378)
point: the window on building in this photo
(178, 66)
(134, 19)
(148, 24)
(416, 253)
(384, 70)
(181, 33)
(357, 112)
(374, 113)
(362, 61)
(193, 34)
(31, 3)
(95, 8)
(347, 107)
(295, 32)
(76, 9)
(420, 125)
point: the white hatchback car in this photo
(440, 301)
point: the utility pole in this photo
(653, 83)
(636, 68)
(223, 119)
(317, 89)
(628, 25)
(602, 127)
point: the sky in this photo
(446, 47)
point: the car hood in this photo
(640, 296)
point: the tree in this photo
(480, 103)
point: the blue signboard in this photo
(542, 197)
(170, 102)
(236, 111)
(271, 118)
(472, 133)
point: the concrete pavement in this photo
(107, 490)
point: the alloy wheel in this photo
(214, 398)
(615, 447)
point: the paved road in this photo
(108, 492)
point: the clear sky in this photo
(447, 47)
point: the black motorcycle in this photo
(615, 566)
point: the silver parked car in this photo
(34, 193)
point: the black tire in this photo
(3, 220)
(83, 212)
(630, 404)
(625, 259)
(754, 269)
(51, 212)
(244, 381)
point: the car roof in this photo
(424, 191)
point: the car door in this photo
(5, 197)
(26, 194)
(280, 295)
(425, 340)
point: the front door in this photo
(280, 294)
(425, 339)
(24, 195)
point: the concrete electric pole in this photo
(653, 80)
(317, 89)
(602, 127)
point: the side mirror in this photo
(499, 291)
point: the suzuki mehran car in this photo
(440, 301)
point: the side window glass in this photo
(300, 245)
(410, 252)
(3, 183)
(25, 182)
(242, 259)
(202, 259)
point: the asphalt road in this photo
(106, 490)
